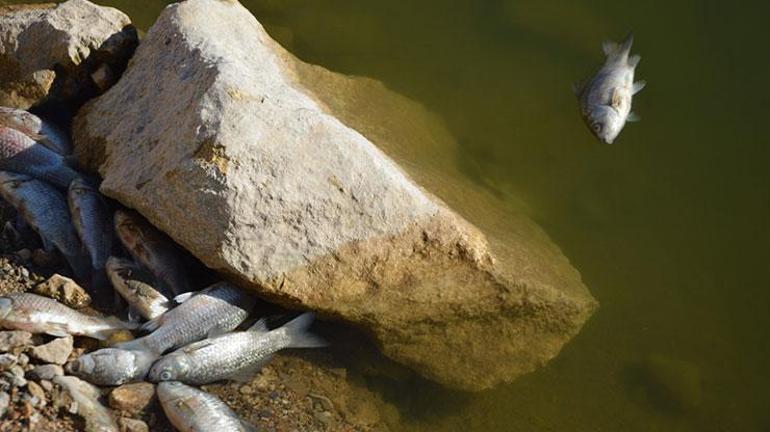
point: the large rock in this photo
(61, 53)
(237, 150)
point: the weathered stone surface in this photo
(132, 425)
(13, 339)
(57, 351)
(50, 52)
(132, 398)
(46, 372)
(64, 290)
(236, 149)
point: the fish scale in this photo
(92, 220)
(190, 409)
(219, 309)
(45, 208)
(21, 154)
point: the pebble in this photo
(5, 400)
(132, 398)
(46, 372)
(37, 391)
(14, 339)
(7, 360)
(22, 360)
(64, 290)
(47, 385)
(57, 351)
(132, 425)
(14, 380)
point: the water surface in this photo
(668, 226)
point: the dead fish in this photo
(235, 356)
(193, 410)
(96, 415)
(215, 310)
(21, 154)
(37, 128)
(38, 314)
(92, 220)
(152, 249)
(45, 209)
(134, 286)
(605, 99)
(112, 366)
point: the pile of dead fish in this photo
(190, 337)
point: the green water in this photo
(669, 226)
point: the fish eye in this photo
(165, 375)
(597, 127)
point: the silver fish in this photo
(92, 220)
(96, 415)
(112, 366)
(605, 99)
(193, 410)
(152, 249)
(134, 286)
(234, 355)
(216, 310)
(21, 154)
(38, 314)
(45, 209)
(36, 128)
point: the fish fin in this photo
(181, 298)
(259, 326)
(609, 47)
(633, 61)
(247, 373)
(57, 329)
(633, 117)
(617, 99)
(638, 86)
(298, 334)
(578, 86)
(153, 324)
(133, 315)
(133, 345)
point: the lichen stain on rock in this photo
(212, 153)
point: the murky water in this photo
(669, 226)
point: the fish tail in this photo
(134, 345)
(618, 53)
(299, 337)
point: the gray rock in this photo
(14, 378)
(5, 401)
(46, 372)
(7, 360)
(237, 150)
(49, 52)
(14, 339)
(57, 351)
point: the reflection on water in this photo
(668, 226)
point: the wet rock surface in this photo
(50, 52)
(261, 181)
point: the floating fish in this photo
(92, 220)
(152, 249)
(216, 310)
(36, 128)
(96, 415)
(112, 366)
(21, 154)
(134, 286)
(234, 355)
(193, 410)
(45, 209)
(38, 314)
(605, 99)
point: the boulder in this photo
(60, 53)
(266, 169)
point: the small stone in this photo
(37, 391)
(64, 290)
(132, 398)
(7, 360)
(14, 339)
(46, 372)
(57, 351)
(14, 380)
(47, 385)
(5, 400)
(132, 425)
(23, 360)
(323, 401)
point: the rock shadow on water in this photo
(665, 384)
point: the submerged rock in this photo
(61, 52)
(237, 150)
